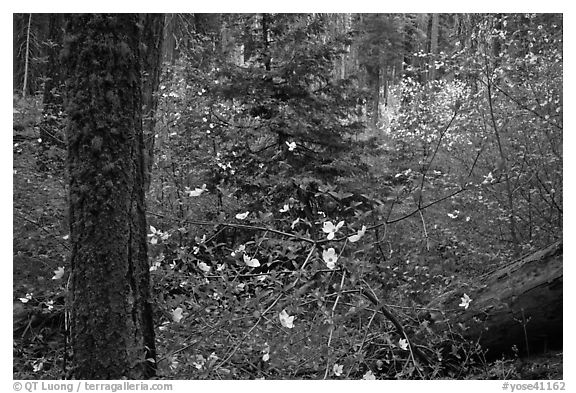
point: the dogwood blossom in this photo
(242, 216)
(177, 314)
(454, 215)
(489, 179)
(286, 320)
(331, 229)
(465, 301)
(26, 298)
(196, 192)
(296, 221)
(157, 234)
(204, 267)
(238, 251)
(330, 258)
(338, 369)
(266, 353)
(403, 343)
(252, 262)
(358, 236)
(58, 273)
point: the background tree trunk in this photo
(376, 95)
(433, 46)
(111, 319)
(519, 304)
(50, 132)
(170, 46)
(27, 57)
(152, 37)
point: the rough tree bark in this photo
(519, 304)
(112, 331)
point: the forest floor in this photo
(40, 247)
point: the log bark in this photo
(518, 305)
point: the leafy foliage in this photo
(277, 214)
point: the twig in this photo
(425, 232)
(232, 225)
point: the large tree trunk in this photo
(517, 305)
(112, 331)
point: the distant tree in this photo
(112, 331)
(380, 50)
(433, 40)
(28, 57)
(53, 83)
(152, 38)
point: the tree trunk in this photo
(376, 96)
(433, 46)
(266, 59)
(112, 333)
(517, 305)
(170, 50)
(27, 57)
(50, 126)
(152, 37)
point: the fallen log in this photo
(519, 305)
